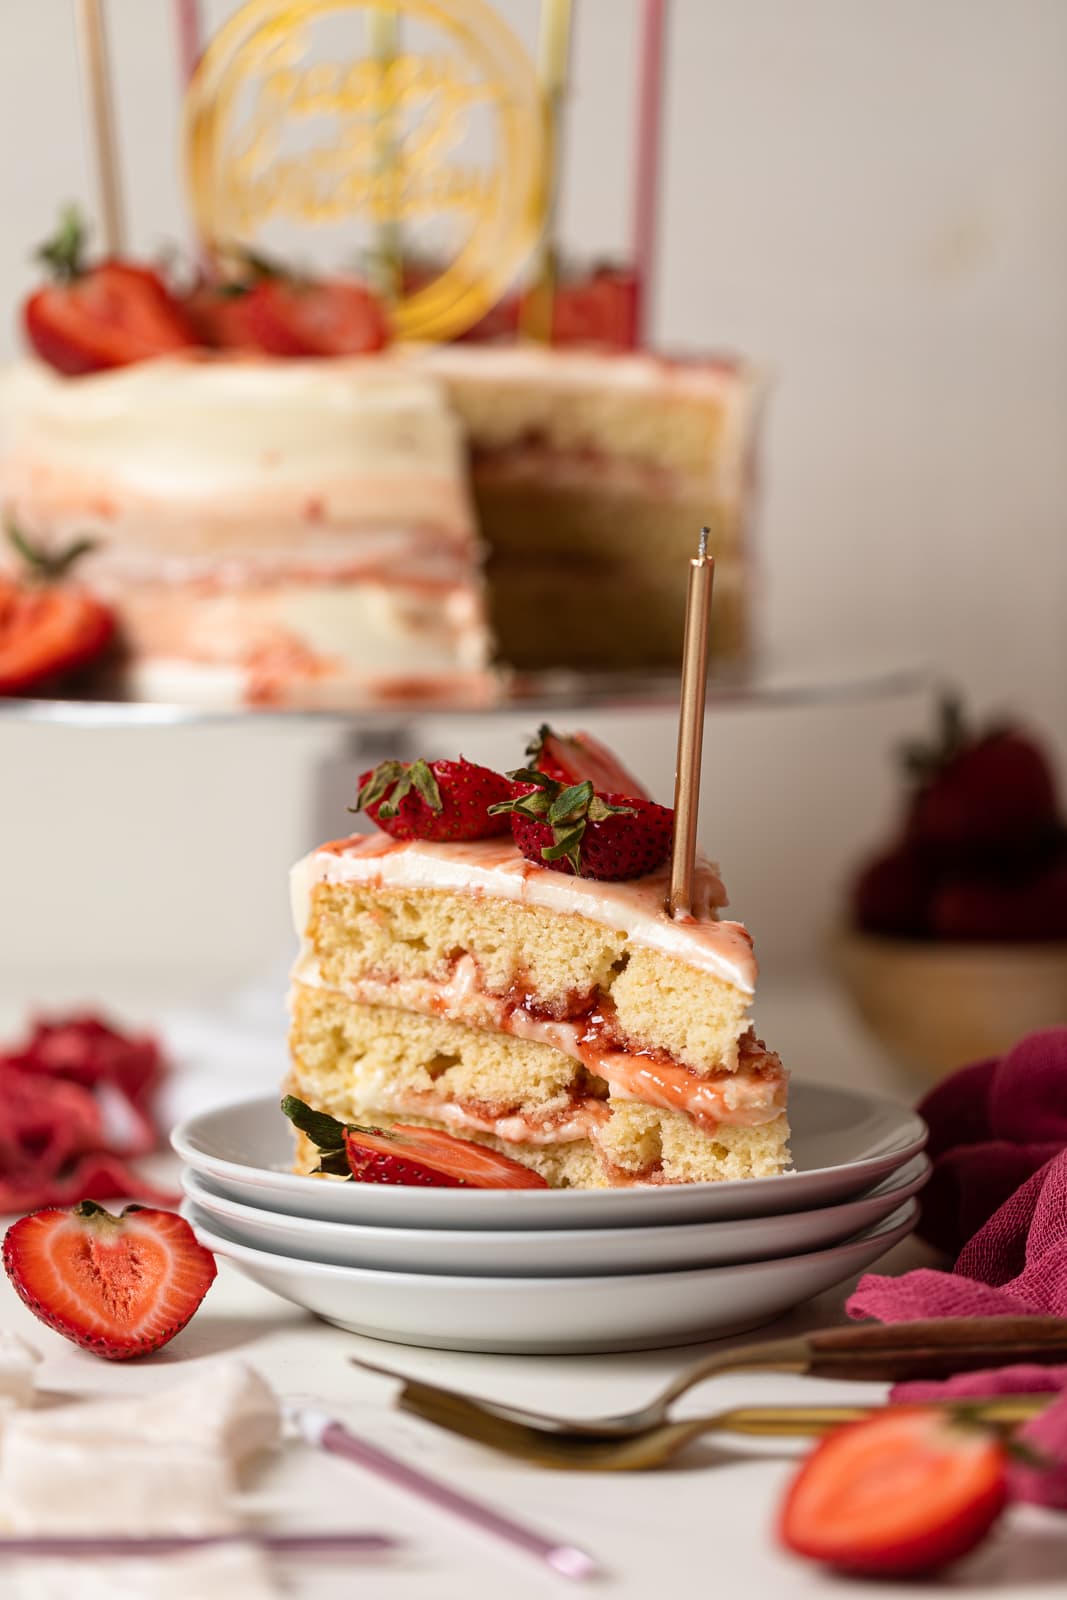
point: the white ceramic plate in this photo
(843, 1142)
(512, 1252)
(557, 1316)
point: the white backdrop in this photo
(869, 199)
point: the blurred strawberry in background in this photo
(956, 943)
(981, 852)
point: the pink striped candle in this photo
(187, 20)
(646, 162)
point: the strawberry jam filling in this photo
(748, 1097)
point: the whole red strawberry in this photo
(575, 830)
(979, 792)
(446, 801)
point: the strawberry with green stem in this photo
(48, 627)
(573, 829)
(445, 801)
(92, 317)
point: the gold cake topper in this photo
(437, 123)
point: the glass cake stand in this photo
(768, 684)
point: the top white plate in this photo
(843, 1142)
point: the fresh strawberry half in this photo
(899, 1494)
(119, 1286)
(600, 309)
(95, 317)
(575, 830)
(406, 1154)
(573, 757)
(437, 800)
(48, 628)
(219, 313)
(325, 317)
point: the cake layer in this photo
(298, 642)
(376, 1064)
(590, 968)
(592, 473)
(610, 613)
(688, 417)
(638, 1146)
(250, 446)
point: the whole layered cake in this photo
(497, 963)
(281, 507)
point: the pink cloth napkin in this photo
(998, 1197)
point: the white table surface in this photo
(703, 1527)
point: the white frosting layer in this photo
(190, 429)
(538, 365)
(494, 867)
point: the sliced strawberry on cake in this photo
(526, 990)
(49, 628)
(110, 314)
(406, 1154)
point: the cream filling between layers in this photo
(494, 867)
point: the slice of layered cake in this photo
(497, 963)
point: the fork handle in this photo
(935, 1349)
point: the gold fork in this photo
(872, 1351)
(890, 1352)
(637, 1452)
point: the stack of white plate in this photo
(558, 1270)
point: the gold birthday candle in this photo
(691, 729)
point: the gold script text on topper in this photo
(448, 123)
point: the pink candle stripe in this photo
(187, 19)
(646, 162)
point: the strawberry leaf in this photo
(63, 253)
(392, 781)
(47, 566)
(324, 1131)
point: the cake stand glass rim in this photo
(766, 685)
